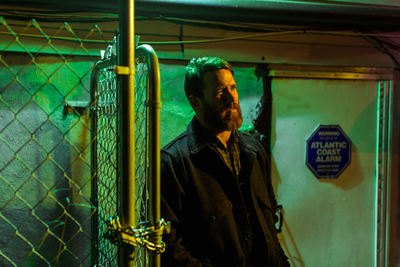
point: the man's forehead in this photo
(219, 77)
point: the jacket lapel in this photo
(247, 157)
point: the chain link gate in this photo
(105, 156)
(51, 214)
(105, 124)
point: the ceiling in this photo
(380, 15)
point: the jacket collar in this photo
(197, 139)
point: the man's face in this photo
(221, 109)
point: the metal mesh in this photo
(47, 209)
(141, 152)
(105, 162)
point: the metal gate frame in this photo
(124, 183)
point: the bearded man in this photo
(216, 186)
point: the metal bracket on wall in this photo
(279, 210)
(77, 107)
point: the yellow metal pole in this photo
(126, 60)
(155, 146)
(154, 89)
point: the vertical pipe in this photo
(154, 212)
(377, 196)
(381, 174)
(383, 166)
(384, 174)
(389, 173)
(154, 184)
(393, 232)
(154, 136)
(126, 124)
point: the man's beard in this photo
(224, 119)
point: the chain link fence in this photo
(141, 153)
(59, 147)
(105, 163)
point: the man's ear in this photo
(196, 103)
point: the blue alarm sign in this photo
(328, 151)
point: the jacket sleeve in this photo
(172, 198)
(274, 203)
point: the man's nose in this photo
(231, 96)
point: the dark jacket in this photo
(202, 200)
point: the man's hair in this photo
(195, 71)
